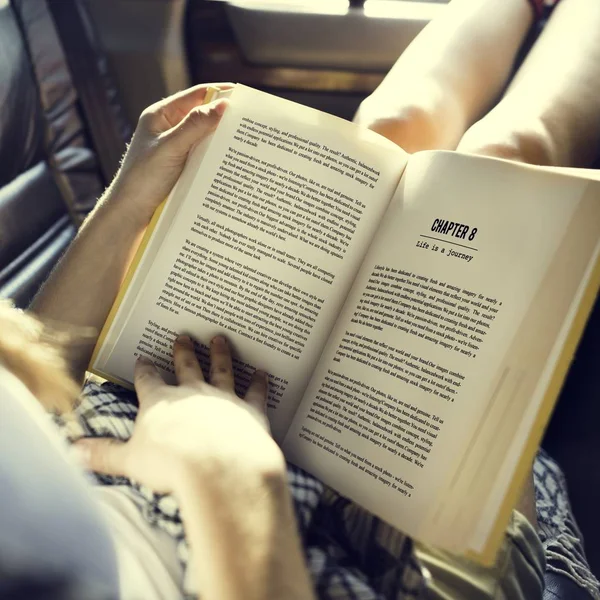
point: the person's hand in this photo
(192, 427)
(166, 132)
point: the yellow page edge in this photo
(125, 285)
(211, 94)
(488, 555)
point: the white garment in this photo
(146, 556)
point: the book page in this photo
(263, 247)
(407, 374)
(540, 354)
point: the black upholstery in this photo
(49, 174)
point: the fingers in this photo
(189, 372)
(257, 390)
(186, 99)
(187, 368)
(199, 122)
(221, 369)
(169, 112)
(102, 455)
(146, 378)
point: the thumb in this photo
(102, 455)
(197, 125)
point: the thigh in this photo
(550, 113)
(449, 75)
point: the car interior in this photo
(76, 74)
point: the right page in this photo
(412, 365)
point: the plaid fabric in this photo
(349, 553)
(558, 530)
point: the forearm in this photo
(79, 293)
(244, 539)
(81, 290)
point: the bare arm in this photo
(199, 442)
(81, 290)
(244, 538)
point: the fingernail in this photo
(263, 375)
(185, 340)
(220, 107)
(219, 340)
(144, 360)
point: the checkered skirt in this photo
(349, 553)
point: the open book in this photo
(416, 315)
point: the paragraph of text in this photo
(437, 312)
(419, 372)
(254, 133)
(281, 204)
(157, 344)
(400, 428)
(239, 298)
(372, 469)
(256, 248)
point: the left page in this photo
(260, 241)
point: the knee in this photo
(411, 126)
(532, 145)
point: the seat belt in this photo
(108, 134)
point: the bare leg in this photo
(450, 74)
(550, 114)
